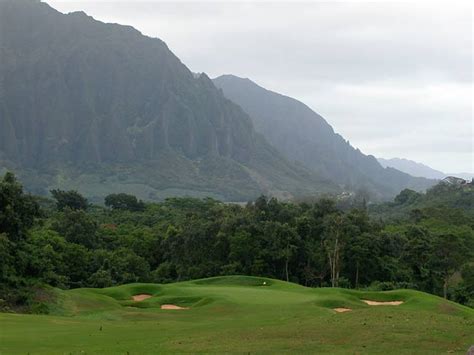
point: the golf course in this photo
(238, 314)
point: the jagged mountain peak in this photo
(100, 107)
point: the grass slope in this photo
(238, 314)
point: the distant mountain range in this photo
(102, 109)
(304, 136)
(418, 169)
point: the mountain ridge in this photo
(415, 168)
(310, 139)
(84, 103)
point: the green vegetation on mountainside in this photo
(444, 201)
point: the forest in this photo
(422, 241)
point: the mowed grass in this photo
(239, 314)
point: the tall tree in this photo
(417, 254)
(69, 199)
(333, 241)
(361, 251)
(448, 257)
(17, 209)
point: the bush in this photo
(344, 283)
(390, 285)
(165, 273)
(101, 278)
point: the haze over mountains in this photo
(418, 169)
(101, 108)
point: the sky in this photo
(394, 78)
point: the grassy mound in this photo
(237, 280)
(239, 314)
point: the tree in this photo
(126, 267)
(76, 226)
(312, 229)
(417, 254)
(361, 250)
(449, 255)
(69, 199)
(323, 207)
(124, 201)
(244, 249)
(281, 243)
(46, 258)
(7, 260)
(407, 196)
(17, 210)
(333, 241)
(467, 274)
(261, 203)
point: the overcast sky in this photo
(395, 79)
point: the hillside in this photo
(238, 314)
(101, 108)
(451, 197)
(303, 135)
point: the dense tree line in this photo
(73, 244)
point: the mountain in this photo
(304, 136)
(411, 167)
(418, 169)
(102, 108)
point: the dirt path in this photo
(387, 303)
(141, 297)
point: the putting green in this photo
(238, 314)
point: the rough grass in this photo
(239, 314)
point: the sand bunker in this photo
(388, 303)
(172, 306)
(141, 297)
(342, 310)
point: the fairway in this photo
(239, 314)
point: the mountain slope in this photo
(418, 169)
(102, 108)
(303, 135)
